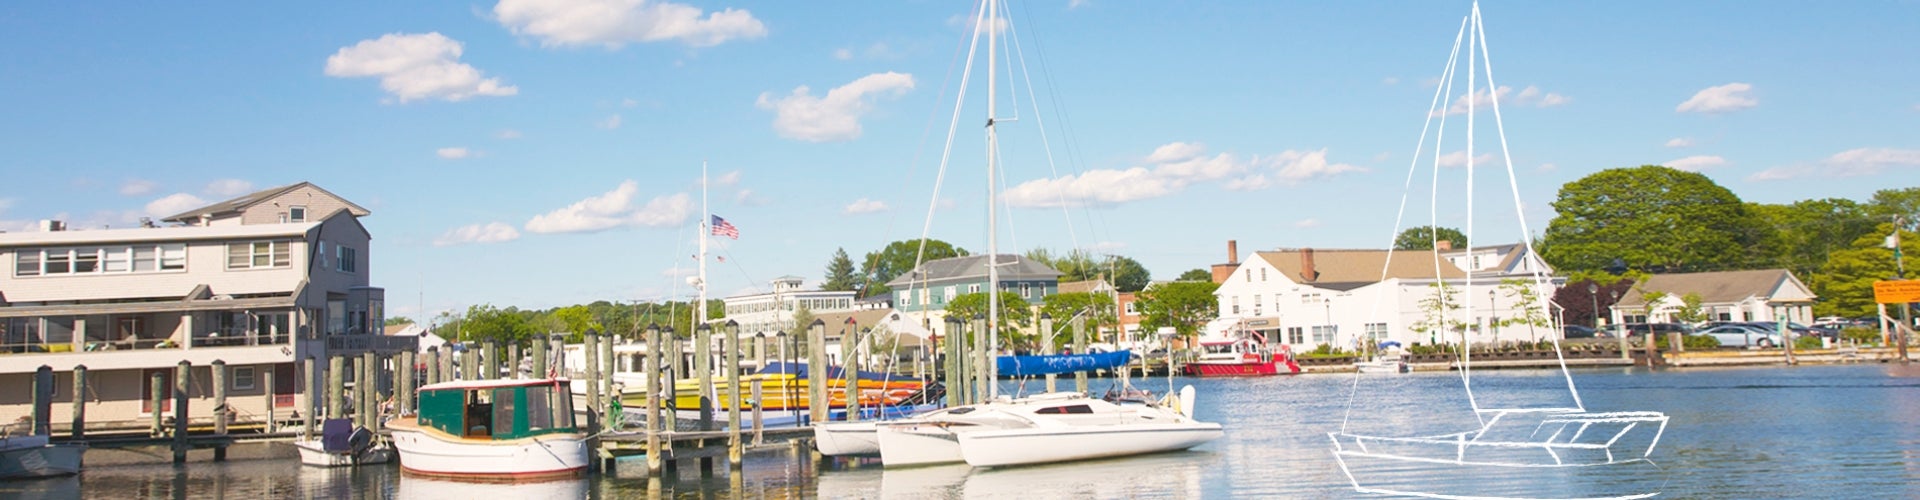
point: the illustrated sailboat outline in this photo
(1514, 450)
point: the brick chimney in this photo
(1443, 245)
(1233, 252)
(1222, 271)
(1307, 273)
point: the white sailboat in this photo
(1044, 428)
(1515, 451)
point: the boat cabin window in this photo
(503, 408)
(1218, 348)
(1066, 410)
(479, 414)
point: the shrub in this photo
(1807, 342)
(1861, 335)
(1693, 342)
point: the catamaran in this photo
(1536, 449)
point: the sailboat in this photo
(1044, 428)
(1519, 451)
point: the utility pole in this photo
(1900, 272)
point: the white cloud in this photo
(1680, 142)
(864, 206)
(610, 123)
(1105, 247)
(835, 116)
(173, 204)
(415, 67)
(1850, 163)
(1170, 168)
(747, 197)
(452, 153)
(629, 103)
(1482, 100)
(615, 23)
(508, 134)
(679, 272)
(229, 187)
(1075, 4)
(1391, 80)
(1459, 159)
(727, 179)
(494, 232)
(1719, 99)
(1306, 223)
(1696, 163)
(613, 209)
(843, 54)
(137, 187)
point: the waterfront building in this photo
(923, 292)
(1305, 297)
(1762, 295)
(774, 311)
(257, 282)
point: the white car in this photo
(1742, 336)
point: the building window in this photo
(26, 263)
(973, 288)
(172, 257)
(346, 259)
(1376, 331)
(1323, 334)
(1256, 302)
(1131, 311)
(1236, 304)
(1295, 335)
(297, 213)
(259, 254)
(97, 260)
(1026, 290)
(243, 378)
(1263, 274)
(1249, 275)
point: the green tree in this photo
(1905, 203)
(1437, 317)
(1804, 232)
(1196, 275)
(1528, 310)
(1847, 279)
(1422, 238)
(1098, 308)
(1126, 274)
(484, 323)
(840, 274)
(1015, 315)
(1654, 218)
(1183, 305)
(576, 320)
(1691, 309)
(398, 320)
(898, 258)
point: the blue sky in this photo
(548, 153)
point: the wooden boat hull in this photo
(44, 460)
(431, 452)
(312, 454)
(1003, 447)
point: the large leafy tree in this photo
(1124, 273)
(1904, 203)
(1097, 307)
(840, 274)
(899, 257)
(509, 326)
(1847, 280)
(1652, 217)
(1422, 238)
(1015, 314)
(1579, 306)
(1804, 232)
(1183, 305)
(1196, 275)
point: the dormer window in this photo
(297, 213)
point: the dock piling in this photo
(267, 381)
(219, 375)
(732, 348)
(182, 382)
(155, 392)
(1080, 347)
(43, 401)
(540, 357)
(653, 389)
(1046, 347)
(79, 429)
(591, 353)
(817, 372)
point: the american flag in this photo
(722, 228)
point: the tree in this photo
(1582, 307)
(576, 320)
(398, 320)
(1691, 309)
(1804, 232)
(1528, 311)
(485, 323)
(1015, 314)
(840, 274)
(1183, 305)
(1904, 203)
(1196, 275)
(1655, 218)
(1098, 308)
(1422, 238)
(898, 258)
(1437, 316)
(1126, 274)
(1847, 278)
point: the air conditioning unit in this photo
(49, 225)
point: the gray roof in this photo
(972, 267)
(1716, 287)
(241, 202)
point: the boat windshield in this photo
(498, 412)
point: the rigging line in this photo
(1513, 183)
(1069, 145)
(1046, 144)
(1012, 232)
(1413, 166)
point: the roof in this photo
(866, 318)
(241, 202)
(1719, 287)
(1013, 267)
(1086, 286)
(1335, 268)
(156, 234)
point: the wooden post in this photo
(653, 390)
(703, 371)
(513, 361)
(492, 361)
(182, 382)
(372, 362)
(219, 375)
(979, 358)
(848, 369)
(1080, 347)
(950, 364)
(817, 371)
(540, 357)
(336, 386)
(267, 378)
(732, 348)
(79, 430)
(1046, 347)
(446, 364)
(431, 360)
(311, 368)
(760, 350)
(43, 401)
(669, 380)
(403, 388)
(156, 388)
(759, 425)
(607, 368)
(592, 355)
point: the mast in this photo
(993, 245)
(706, 229)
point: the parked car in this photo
(1796, 330)
(1641, 329)
(1580, 332)
(1743, 335)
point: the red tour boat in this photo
(1242, 354)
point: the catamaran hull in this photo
(1001, 447)
(846, 438)
(432, 453)
(41, 461)
(1444, 478)
(906, 446)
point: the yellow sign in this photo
(1896, 291)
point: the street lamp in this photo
(1593, 292)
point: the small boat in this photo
(1386, 358)
(36, 456)
(343, 444)
(492, 429)
(1243, 353)
(1084, 429)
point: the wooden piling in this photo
(653, 390)
(1046, 347)
(703, 370)
(592, 356)
(43, 401)
(403, 388)
(311, 368)
(513, 361)
(267, 379)
(675, 364)
(79, 428)
(732, 348)
(1080, 347)
(982, 376)
(336, 386)
(850, 372)
(446, 364)
(540, 357)
(607, 369)
(219, 375)
(371, 363)
(817, 372)
(759, 423)
(950, 362)
(182, 382)
(156, 388)
(491, 362)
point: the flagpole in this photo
(706, 229)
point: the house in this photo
(1763, 295)
(257, 283)
(1308, 297)
(774, 311)
(924, 291)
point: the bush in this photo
(1326, 351)
(1861, 335)
(1807, 342)
(1694, 342)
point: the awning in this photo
(146, 307)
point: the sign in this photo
(1896, 291)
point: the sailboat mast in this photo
(706, 229)
(993, 243)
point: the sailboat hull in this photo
(991, 448)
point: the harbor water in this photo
(1841, 431)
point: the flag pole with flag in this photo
(720, 227)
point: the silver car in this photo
(1739, 335)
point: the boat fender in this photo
(1186, 401)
